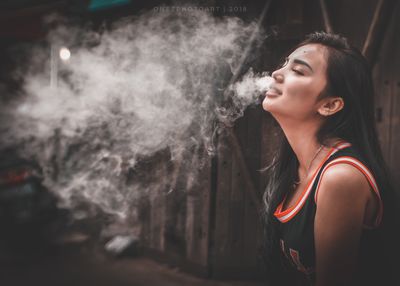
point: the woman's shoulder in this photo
(345, 177)
(347, 165)
(348, 184)
(344, 185)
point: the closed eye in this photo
(298, 72)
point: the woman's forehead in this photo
(314, 54)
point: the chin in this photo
(266, 104)
(276, 110)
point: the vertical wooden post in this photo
(325, 15)
(376, 32)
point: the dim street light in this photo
(65, 54)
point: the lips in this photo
(273, 91)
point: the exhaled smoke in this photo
(242, 94)
(152, 83)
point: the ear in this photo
(330, 106)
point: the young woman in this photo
(328, 201)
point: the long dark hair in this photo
(348, 76)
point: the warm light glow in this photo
(65, 54)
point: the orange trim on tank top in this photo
(279, 212)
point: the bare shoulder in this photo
(343, 183)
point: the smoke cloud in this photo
(148, 84)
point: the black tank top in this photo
(296, 227)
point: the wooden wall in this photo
(212, 227)
(387, 85)
(175, 211)
(238, 232)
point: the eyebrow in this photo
(301, 62)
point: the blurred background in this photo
(184, 216)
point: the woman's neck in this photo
(302, 137)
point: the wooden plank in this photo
(243, 230)
(157, 208)
(183, 239)
(348, 18)
(151, 206)
(144, 218)
(383, 111)
(219, 239)
(252, 221)
(156, 221)
(394, 153)
(395, 135)
(270, 136)
(191, 200)
(382, 16)
(253, 146)
(326, 17)
(250, 187)
(202, 229)
(198, 204)
(175, 214)
(237, 199)
(384, 94)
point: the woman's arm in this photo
(342, 199)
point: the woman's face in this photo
(298, 83)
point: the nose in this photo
(277, 76)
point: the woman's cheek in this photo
(300, 93)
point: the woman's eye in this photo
(298, 72)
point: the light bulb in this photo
(65, 54)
